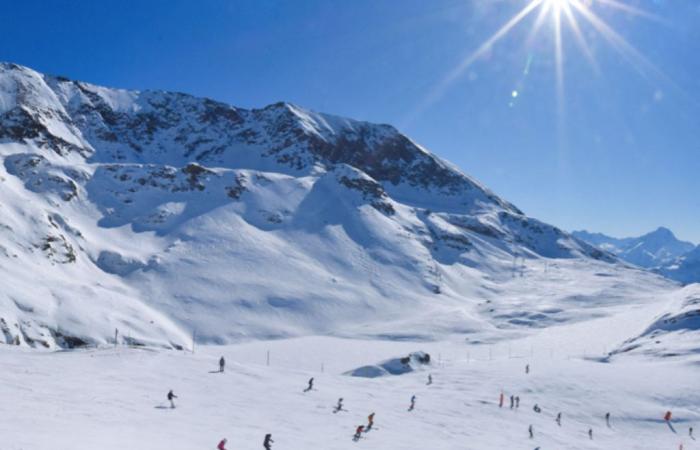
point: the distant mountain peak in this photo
(651, 250)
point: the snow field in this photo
(115, 399)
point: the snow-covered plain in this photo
(114, 399)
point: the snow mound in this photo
(394, 366)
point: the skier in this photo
(339, 406)
(517, 401)
(413, 403)
(370, 422)
(558, 419)
(590, 433)
(222, 444)
(537, 408)
(311, 385)
(607, 419)
(512, 401)
(171, 396)
(267, 444)
(690, 433)
(222, 363)
(532, 434)
(500, 400)
(527, 368)
(430, 380)
(667, 416)
(358, 433)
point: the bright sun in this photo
(557, 3)
(572, 14)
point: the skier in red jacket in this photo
(222, 444)
(358, 433)
(667, 416)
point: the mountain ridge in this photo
(241, 223)
(651, 250)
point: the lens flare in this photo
(572, 14)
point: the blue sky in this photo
(619, 154)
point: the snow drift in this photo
(394, 366)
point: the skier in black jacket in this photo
(311, 385)
(339, 406)
(268, 442)
(171, 396)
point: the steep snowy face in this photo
(655, 249)
(166, 213)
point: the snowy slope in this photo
(124, 405)
(163, 215)
(674, 333)
(655, 249)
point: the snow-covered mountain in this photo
(654, 249)
(162, 215)
(685, 268)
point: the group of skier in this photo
(370, 419)
(514, 404)
(364, 428)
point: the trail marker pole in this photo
(268, 358)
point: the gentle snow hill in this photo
(675, 333)
(164, 215)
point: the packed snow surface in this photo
(114, 399)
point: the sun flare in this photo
(574, 15)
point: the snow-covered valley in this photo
(136, 227)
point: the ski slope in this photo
(113, 399)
